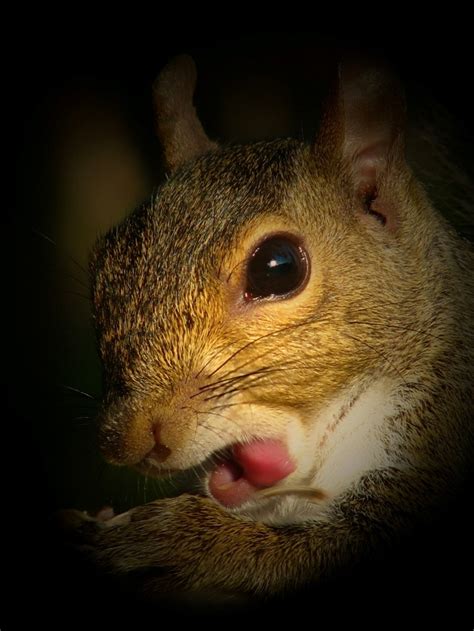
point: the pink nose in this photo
(160, 452)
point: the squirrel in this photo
(293, 322)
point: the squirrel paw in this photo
(167, 546)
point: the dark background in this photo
(85, 155)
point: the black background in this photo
(428, 580)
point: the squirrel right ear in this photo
(177, 125)
(362, 129)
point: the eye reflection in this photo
(277, 268)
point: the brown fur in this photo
(178, 344)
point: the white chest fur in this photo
(352, 437)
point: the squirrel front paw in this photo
(167, 546)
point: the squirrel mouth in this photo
(248, 468)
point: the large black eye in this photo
(278, 267)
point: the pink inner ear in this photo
(367, 165)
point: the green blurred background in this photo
(86, 156)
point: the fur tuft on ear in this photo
(177, 125)
(363, 128)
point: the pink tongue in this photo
(257, 465)
(265, 462)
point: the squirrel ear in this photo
(177, 125)
(363, 128)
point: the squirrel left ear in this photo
(177, 125)
(363, 129)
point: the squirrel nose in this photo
(160, 452)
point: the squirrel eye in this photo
(277, 268)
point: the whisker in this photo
(212, 413)
(240, 389)
(82, 421)
(271, 371)
(378, 352)
(65, 274)
(75, 293)
(230, 405)
(228, 381)
(52, 242)
(226, 375)
(226, 418)
(77, 391)
(77, 280)
(258, 339)
(319, 317)
(260, 373)
(314, 318)
(219, 350)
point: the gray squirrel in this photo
(295, 322)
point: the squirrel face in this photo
(204, 365)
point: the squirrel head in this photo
(255, 284)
